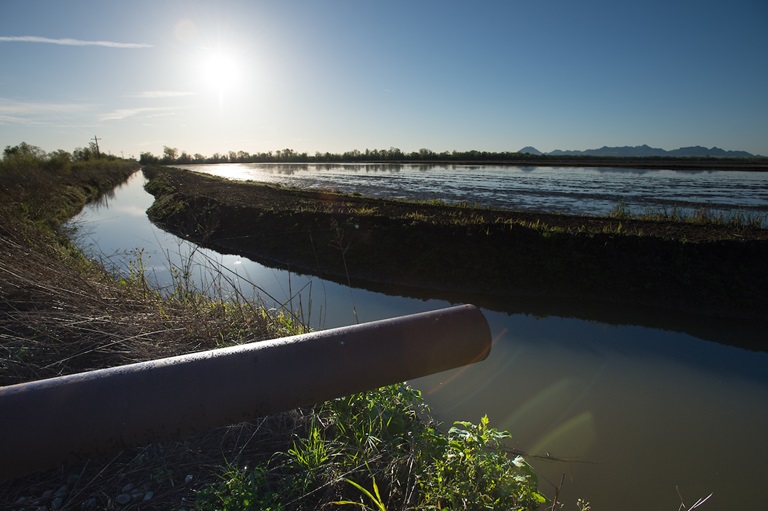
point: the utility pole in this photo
(96, 141)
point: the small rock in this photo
(123, 499)
(73, 479)
(47, 494)
(128, 487)
(89, 504)
(57, 503)
(188, 479)
(61, 491)
(148, 496)
(20, 501)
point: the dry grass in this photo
(61, 313)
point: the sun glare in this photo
(221, 70)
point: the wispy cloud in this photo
(36, 113)
(10, 119)
(9, 106)
(124, 113)
(160, 94)
(70, 42)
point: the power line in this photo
(96, 141)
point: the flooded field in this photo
(568, 190)
(632, 414)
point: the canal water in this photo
(631, 409)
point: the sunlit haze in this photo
(338, 75)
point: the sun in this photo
(221, 69)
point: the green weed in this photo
(473, 472)
(239, 490)
(378, 450)
(310, 454)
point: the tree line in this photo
(172, 155)
(60, 159)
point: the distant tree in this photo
(394, 154)
(170, 154)
(83, 154)
(23, 158)
(353, 155)
(24, 150)
(59, 161)
(284, 155)
(60, 154)
(426, 154)
(148, 158)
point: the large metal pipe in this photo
(45, 423)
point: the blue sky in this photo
(336, 75)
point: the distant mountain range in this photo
(645, 150)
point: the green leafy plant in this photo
(239, 490)
(372, 420)
(473, 472)
(312, 452)
(379, 450)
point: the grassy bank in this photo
(702, 264)
(61, 313)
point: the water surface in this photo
(632, 414)
(568, 190)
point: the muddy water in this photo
(630, 413)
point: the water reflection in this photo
(621, 409)
(624, 406)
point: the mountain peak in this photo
(646, 150)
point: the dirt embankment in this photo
(709, 269)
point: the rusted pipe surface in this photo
(45, 423)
